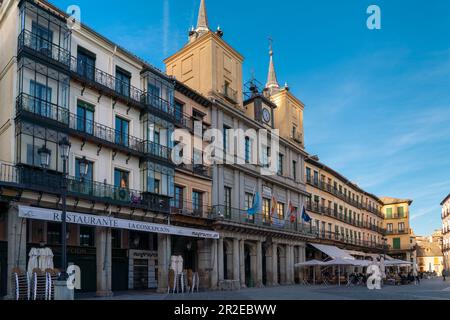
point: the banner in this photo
(111, 222)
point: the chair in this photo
(195, 281)
(39, 285)
(52, 276)
(20, 284)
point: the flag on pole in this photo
(256, 207)
(305, 216)
(273, 209)
(291, 213)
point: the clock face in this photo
(266, 115)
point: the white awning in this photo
(310, 263)
(333, 252)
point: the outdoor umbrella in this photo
(48, 259)
(33, 260)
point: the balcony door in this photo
(122, 131)
(123, 82)
(197, 203)
(42, 38)
(122, 184)
(85, 117)
(86, 64)
(41, 105)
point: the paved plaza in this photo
(434, 289)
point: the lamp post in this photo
(44, 156)
(64, 149)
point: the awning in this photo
(347, 262)
(111, 222)
(310, 263)
(395, 262)
(332, 251)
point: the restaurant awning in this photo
(310, 263)
(332, 251)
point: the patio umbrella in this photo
(48, 259)
(33, 260)
(310, 263)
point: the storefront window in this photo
(87, 236)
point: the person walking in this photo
(444, 274)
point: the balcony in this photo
(52, 114)
(223, 213)
(325, 235)
(197, 169)
(48, 51)
(188, 208)
(396, 231)
(27, 178)
(93, 77)
(230, 94)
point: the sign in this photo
(267, 192)
(111, 222)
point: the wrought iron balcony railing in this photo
(157, 150)
(224, 213)
(79, 125)
(198, 169)
(38, 180)
(326, 235)
(190, 208)
(229, 93)
(43, 47)
(106, 82)
(397, 231)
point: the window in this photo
(316, 177)
(294, 169)
(179, 110)
(178, 198)
(401, 212)
(248, 200)
(227, 201)
(280, 210)
(122, 131)
(401, 226)
(157, 186)
(53, 233)
(390, 227)
(116, 238)
(248, 150)
(123, 80)
(43, 94)
(389, 213)
(86, 63)
(226, 139)
(308, 174)
(336, 232)
(139, 240)
(280, 164)
(266, 210)
(396, 243)
(43, 39)
(121, 179)
(87, 236)
(85, 117)
(197, 202)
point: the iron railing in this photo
(198, 169)
(157, 150)
(397, 231)
(221, 212)
(51, 182)
(229, 93)
(334, 191)
(190, 208)
(44, 47)
(327, 235)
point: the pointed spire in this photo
(272, 82)
(202, 21)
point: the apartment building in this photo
(83, 116)
(445, 215)
(400, 236)
(342, 213)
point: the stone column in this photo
(242, 263)
(104, 262)
(236, 259)
(274, 264)
(301, 258)
(220, 260)
(214, 265)
(164, 253)
(258, 265)
(17, 246)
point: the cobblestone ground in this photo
(433, 289)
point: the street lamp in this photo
(64, 149)
(44, 156)
(84, 167)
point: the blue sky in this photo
(377, 102)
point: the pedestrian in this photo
(444, 274)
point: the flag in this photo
(256, 207)
(291, 213)
(305, 216)
(273, 209)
